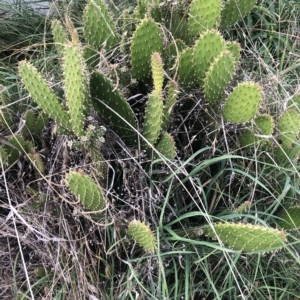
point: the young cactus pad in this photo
(153, 118)
(203, 15)
(142, 234)
(235, 10)
(76, 89)
(42, 94)
(146, 40)
(218, 76)
(289, 127)
(113, 107)
(290, 218)
(99, 29)
(243, 103)
(165, 146)
(59, 35)
(87, 192)
(247, 237)
(157, 72)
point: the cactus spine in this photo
(142, 234)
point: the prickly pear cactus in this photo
(153, 118)
(203, 15)
(235, 10)
(165, 146)
(247, 237)
(218, 76)
(157, 72)
(243, 103)
(42, 94)
(113, 107)
(76, 89)
(146, 40)
(60, 36)
(289, 127)
(290, 218)
(186, 71)
(99, 29)
(207, 48)
(87, 192)
(171, 99)
(142, 234)
(244, 207)
(235, 49)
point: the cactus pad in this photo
(42, 94)
(165, 146)
(243, 103)
(59, 35)
(146, 39)
(157, 72)
(203, 15)
(207, 48)
(87, 192)
(235, 49)
(113, 107)
(169, 104)
(218, 76)
(142, 234)
(235, 10)
(289, 127)
(186, 71)
(153, 118)
(99, 29)
(247, 237)
(76, 90)
(290, 218)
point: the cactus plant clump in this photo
(142, 234)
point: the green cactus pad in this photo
(153, 118)
(169, 104)
(142, 234)
(243, 103)
(29, 127)
(290, 218)
(186, 71)
(99, 29)
(235, 49)
(235, 10)
(76, 90)
(42, 94)
(60, 36)
(172, 52)
(243, 208)
(294, 102)
(165, 146)
(207, 48)
(3, 157)
(87, 192)
(264, 126)
(218, 76)
(146, 40)
(247, 237)
(113, 107)
(157, 72)
(289, 127)
(91, 57)
(203, 15)
(40, 123)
